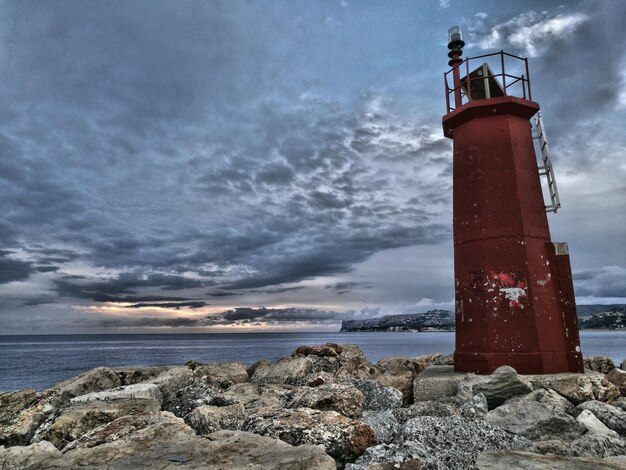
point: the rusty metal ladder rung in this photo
(547, 170)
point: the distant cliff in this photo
(433, 320)
(611, 317)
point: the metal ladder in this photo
(546, 170)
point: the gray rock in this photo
(553, 446)
(135, 375)
(400, 380)
(207, 418)
(620, 403)
(426, 408)
(23, 457)
(578, 388)
(181, 401)
(95, 380)
(613, 417)
(600, 445)
(534, 420)
(20, 428)
(147, 391)
(81, 418)
(254, 397)
(290, 370)
(402, 455)
(150, 442)
(600, 364)
(518, 460)
(378, 397)
(318, 378)
(324, 350)
(171, 381)
(618, 378)
(13, 402)
(343, 438)
(476, 407)
(357, 368)
(383, 423)
(222, 374)
(436, 382)
(343, 398)
(503, 384)
(455, 442)
(594, 425)
(550, 399)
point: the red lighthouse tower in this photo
(513, 286)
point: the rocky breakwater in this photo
(324, 407)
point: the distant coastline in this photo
(590, 317)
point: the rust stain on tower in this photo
(513, 286)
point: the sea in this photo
(41, 361)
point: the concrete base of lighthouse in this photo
(513, 288)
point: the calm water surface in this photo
(42, 361)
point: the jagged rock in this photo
(426, 408)
(207, 418)
(324, 350)
(599, 364)
(262, 363)
(343, 438)
(147, 391)
(357, 368)
(503, 384)
(611, 416)
(254, 397)
(535, 420)
(345, 399)
(620, 403)
(579, 388)
(618, 378)
(513, 459)
(23, 457)
(427, 360)
(181, 402)
(383, 423)
(444, 360)
(400, 364)
(378, 397)
(318, 378)
(455, 442)
(289, 370)
(600, 445)
(12, 402)
(406, 455)
(436, 382)
(222, 374)
(476, 407)
(150, 443)
(550, 399)
(553, 446)
(465, 387)
(94, 380)
(135, 375)
(81, 418)
(593, 424)
(171, 381)
(18, 430)
(401, 381)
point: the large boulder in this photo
(618, 378)
(378, 397)
(519, 460)
(455, 442)
(145, 391)
(81, 418)
(207, 418)
(289, 370)
(406, 455)
(324, 350)
(578, 388)
(95, 380)
(343, 438)
(22, 457)
(475, 407)
(554, 446)
(135, 375)
(254, 397)
(163, 441)
(20, 428)
(503, 384)
(600, 445)
(170, 382)
(357, 368)
(600, 364)
(436, 382)
(613, 417)
(383, 423)
(399, 372)
(343, 398)
(426, 408)
(594, 425)
(534, 420)
(222, 374)
(13, 402)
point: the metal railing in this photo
(505, 80)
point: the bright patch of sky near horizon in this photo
(175, 166)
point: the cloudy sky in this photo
(257, 165)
